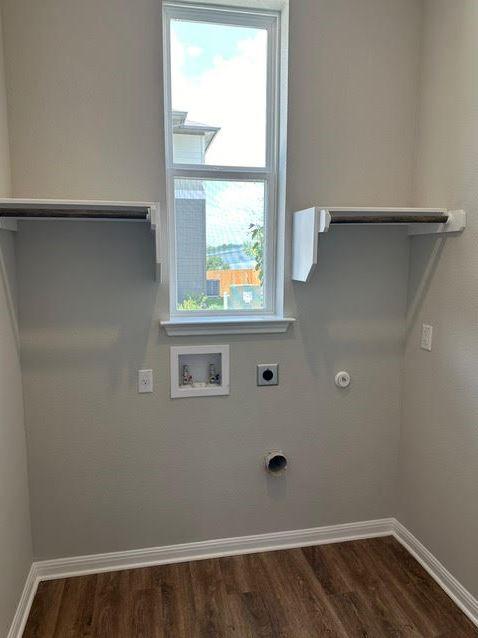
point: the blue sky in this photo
(211, 40)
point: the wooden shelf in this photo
(14, 209)
(310, 223)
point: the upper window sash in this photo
(267, 20)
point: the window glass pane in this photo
(219, 244)
(219, 93)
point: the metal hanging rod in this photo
(76, 214)
(358, 218)
(63, 209)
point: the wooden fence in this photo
(228, 278)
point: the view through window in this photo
(221, 159)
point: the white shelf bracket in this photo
(456, 224)
(8, 224)
(308, 224)
(155, 221)
(324, 220)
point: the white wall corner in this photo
(461, 596)
(26, 599)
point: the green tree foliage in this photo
(255, 248)
(193, 302)
(201, 302)
(215, 262)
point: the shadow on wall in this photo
(89, 295)
(424, 259)
(356, 298)
(7, 253)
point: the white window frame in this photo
(269, 174)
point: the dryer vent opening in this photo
(276, 463)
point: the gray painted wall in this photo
(15, 534)
(111, 469)
(439, 445)
(15, 530)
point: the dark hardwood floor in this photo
(362, 588)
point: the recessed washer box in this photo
(199, 371)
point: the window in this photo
(222, 121)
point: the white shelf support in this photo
(456, 223)
(308, 224)
(13, 209)
(155, 221)
(8, 224)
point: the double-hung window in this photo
(222, 120)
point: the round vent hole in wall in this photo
(276, 463)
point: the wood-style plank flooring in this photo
(367, 588)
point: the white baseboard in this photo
(24, 605)
(462, 597)
(97, 563)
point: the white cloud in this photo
(178, 55)
(231, 94)
(194, 52)
(232, 207)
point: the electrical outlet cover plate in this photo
(268, 374)
(427, 337)
(145, 381)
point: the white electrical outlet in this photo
(145, 381)
(427, 337)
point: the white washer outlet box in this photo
(199, 371)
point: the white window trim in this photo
(269, 319)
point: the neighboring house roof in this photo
(186, 127)
(234, 256)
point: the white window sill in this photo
(189, 326)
